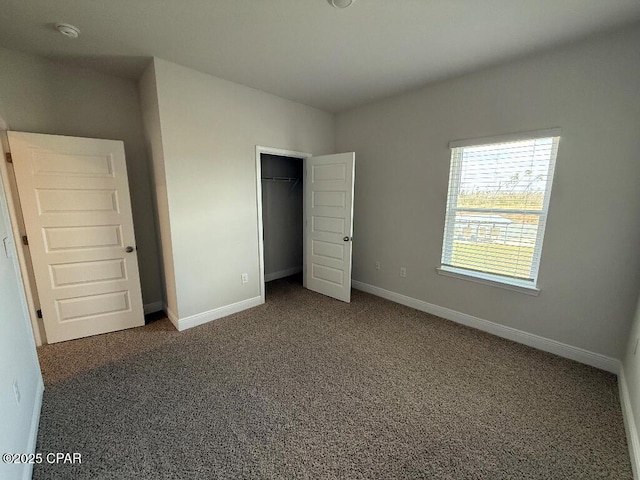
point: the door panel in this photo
(76, 206)
(64, 275)
(65, 201)
(329, 224)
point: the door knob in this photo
(129, 249)
(346, 239)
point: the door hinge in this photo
(8, 156)
(39, 313)
(25, 240)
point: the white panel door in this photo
(329, 224)
(75, 201)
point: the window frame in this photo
(456, 164)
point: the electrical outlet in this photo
(16, 391)
(244, 278)
(377, 265)
(403, 272)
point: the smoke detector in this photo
(68, 30)
(341, 3)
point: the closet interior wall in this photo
(282, 215)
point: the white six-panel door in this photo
(328, 190)
(75, 201)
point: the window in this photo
(497, 207)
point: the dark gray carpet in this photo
(309, 387)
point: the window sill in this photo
(488, 279)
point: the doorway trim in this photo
(282, 153)
(15, 212)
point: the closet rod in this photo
(281, 179)
(284, 179)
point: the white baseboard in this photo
(173, 318)
(629, 425)
(541, 343)
(152, 307)
(282, 273)
(33, 430)
(194, 320)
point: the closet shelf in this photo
(281, 179)
(284, 179)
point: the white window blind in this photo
(497, 206)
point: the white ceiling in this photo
(306, 50)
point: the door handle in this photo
(129, 249)
(346, 239)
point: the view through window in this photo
(497, 207)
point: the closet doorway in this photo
(305, 212)
(281, 183)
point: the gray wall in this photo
(590, 271)
(18, 360)
(151, 121)
(631, 371)
(282, 215)
(39, 96)
(209, 131)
